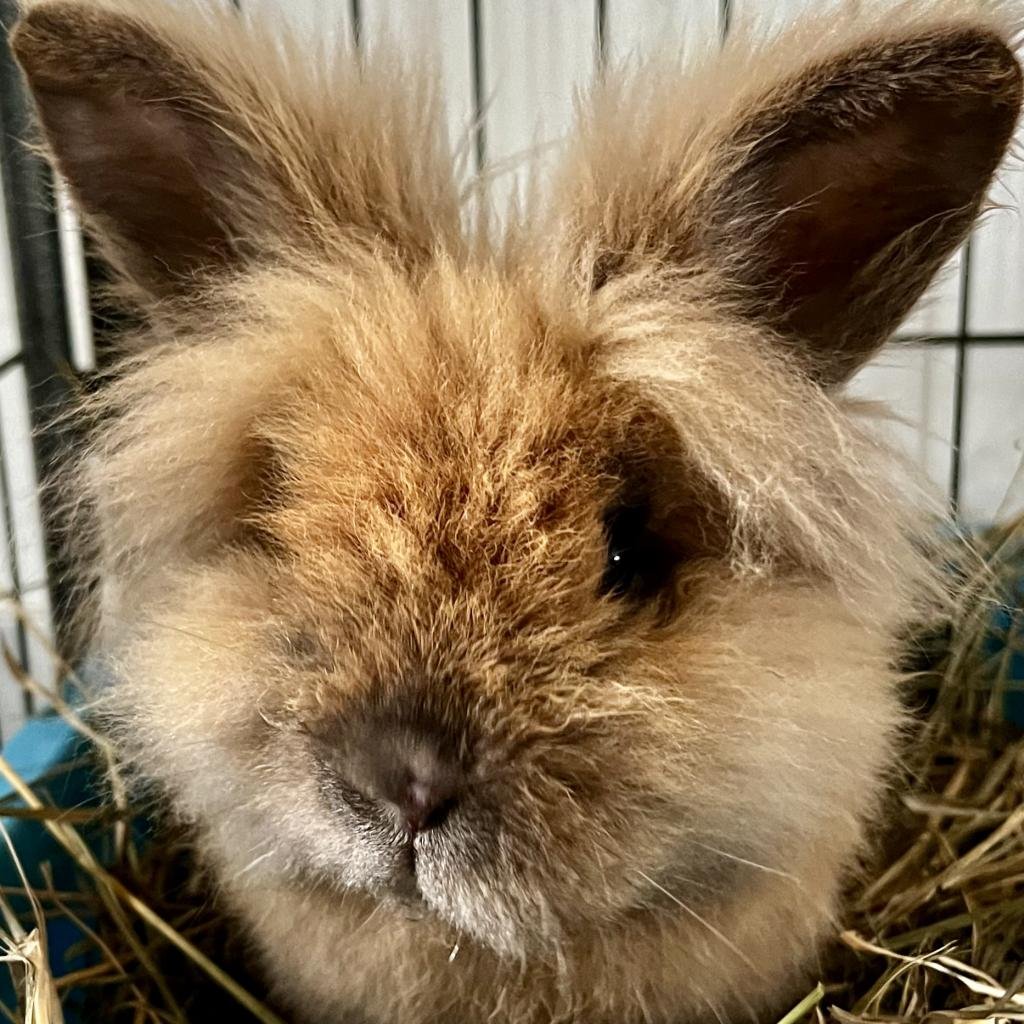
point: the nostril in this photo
(425, 805)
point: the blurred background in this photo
(955, 382)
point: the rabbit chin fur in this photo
(359, 468)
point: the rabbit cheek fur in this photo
(516, 623)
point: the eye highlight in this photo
(639, 564)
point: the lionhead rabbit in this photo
(515, 623)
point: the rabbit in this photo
(516, 615)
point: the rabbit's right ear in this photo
(195, 139)
(816, 184)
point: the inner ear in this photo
(144, 172)
(852, 195)
(141, 142)
(843, 201)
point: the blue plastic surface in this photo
(51, 757)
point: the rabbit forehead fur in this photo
(366, 475)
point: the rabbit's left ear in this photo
(197, 139)
(822, 200)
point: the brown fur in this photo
(361, 471)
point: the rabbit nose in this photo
(425, 804)
(412, 776)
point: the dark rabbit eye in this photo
(639, 564)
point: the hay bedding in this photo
(933, 931)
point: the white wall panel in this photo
(22, 494)
(314, 19)
(992, 483)
(7, 580)
(76, 285)
(997, 275)
(433, 30)
(43, 666)
(917, 385)
(637, 28)
(771, 15)
(993, 435)
(10, 340)
(535, 54)
(21, 539)
(13, 706)
(938, 312)
(997, 257)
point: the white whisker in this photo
(258, 860)
(711, 1006)
(731, 946)
(743, 860)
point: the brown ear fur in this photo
(862, 180)
(821, 201)
(191, 142)
(143, 164)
